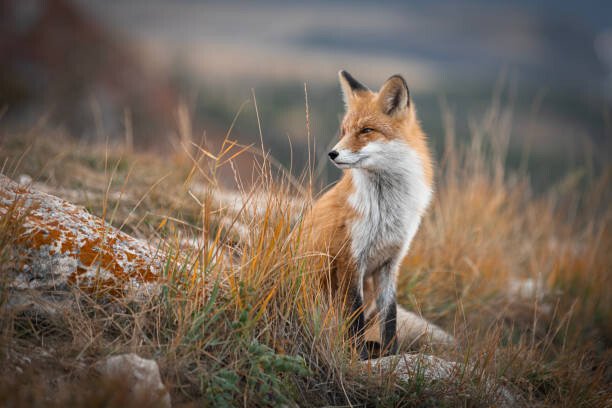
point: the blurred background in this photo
(143, 70)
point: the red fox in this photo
(368, 219)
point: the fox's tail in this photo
(412, 331)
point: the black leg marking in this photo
(387, 308)
(357, 328)
(389, 329)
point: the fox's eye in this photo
(366, 130)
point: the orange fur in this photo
(365, 111)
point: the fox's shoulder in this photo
(331, 213)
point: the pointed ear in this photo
(394, 97)
(350, 87)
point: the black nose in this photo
(333, 154)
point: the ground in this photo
(521, 279)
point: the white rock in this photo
(526, 289)
(24, 179)
(143, 374)
(407, 365)
(432, 368)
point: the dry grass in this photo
(522, 280)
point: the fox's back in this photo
(327, 227)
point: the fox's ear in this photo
(350, 87)
(394, 96)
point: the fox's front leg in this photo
(386, 303)
(357, 327)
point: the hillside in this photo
(61, 64)
(521, 280)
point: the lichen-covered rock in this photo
(61, 245)
(142, 376)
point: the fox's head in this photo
(378, 127)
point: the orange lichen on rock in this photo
(63, 244)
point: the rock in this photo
(432, 368)
(142, 375)
(25, 179)
(406, 365)
(61, 245)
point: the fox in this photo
(366, 222)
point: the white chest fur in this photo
(390, 204)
